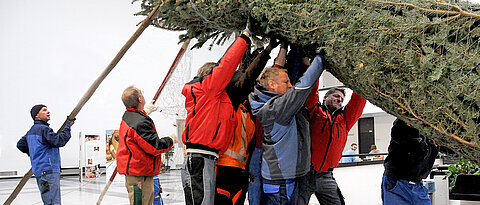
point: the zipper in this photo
(216, 132)
(194, 100)
(326, 151)
(186, 135)
(323, 128)
(129, 151)
(329, 139)
(338, 132)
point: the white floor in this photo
(359, 184)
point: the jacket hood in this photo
(260, 96)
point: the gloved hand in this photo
(174, 138)
(273, 43)
(150, 108)
(247, 31)
(284, 44)
(69, 121)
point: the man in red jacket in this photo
(210, 123)
(330, 124)
(139, 147)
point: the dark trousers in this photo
(232, 185)
(323, 185)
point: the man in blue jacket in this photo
(286, 143)
(42, 144)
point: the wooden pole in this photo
(90, 92)
(100, 198)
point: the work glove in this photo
(174, 138)
(247, 30)
(150, 108)
(273, 43)
(69, 121)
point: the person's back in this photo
(210, 123)
(410, 154)
(410, 159)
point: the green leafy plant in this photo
(462, 166)
(169, 155)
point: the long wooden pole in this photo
(155, 97)
(90, 92)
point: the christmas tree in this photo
(418, 60)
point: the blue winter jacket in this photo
(286, 143)
(42, 144)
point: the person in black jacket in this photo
(410, 159)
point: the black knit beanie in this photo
(35, 109)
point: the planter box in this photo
(467, 187)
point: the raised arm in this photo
(281, 58)
(222, 72)
(289, 104)
(242, 85)
(354, 109)
(56, 139)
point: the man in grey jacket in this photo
(286, 143)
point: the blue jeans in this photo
(49, 185)
(280, 192)
(401, 192)
(255, 186)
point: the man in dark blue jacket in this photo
(41, 143)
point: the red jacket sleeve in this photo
(354, 110)
(312, 101)
(148, 139)
(216, 82)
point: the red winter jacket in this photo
(329, 130)
(139, 147)
(210, 120)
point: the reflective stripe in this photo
(240, 155)
(235, 155)
(223, 192)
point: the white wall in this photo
(51, 51)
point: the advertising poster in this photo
(92, 154)
(111, 145)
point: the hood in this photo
(260, 96)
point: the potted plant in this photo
(464, 177)
(168, 156)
